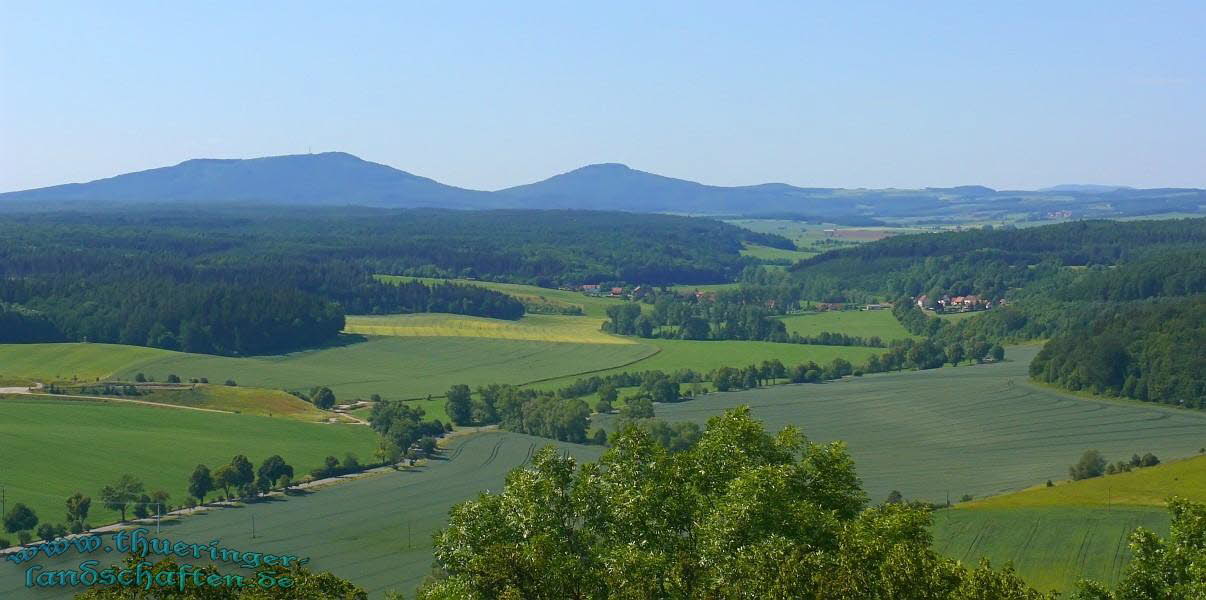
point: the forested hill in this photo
(257, 280)
(340, 179)
(1122, 303)
(986, 262)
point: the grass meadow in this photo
(1055, 535)
(862, 323)
(63, 362)
(54, 447)
(1051, 547)
(769, 253)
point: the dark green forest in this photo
(240, 281)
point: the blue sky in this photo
(490, 94)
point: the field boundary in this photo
(10, 391)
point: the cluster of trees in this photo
(403, 431)
(241, 476)
(1093, 464)
(740, 513)
(691, 319)
(540, 413)
(1150, 351)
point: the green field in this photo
(769, 253)
(1055, 535)
(375, 531)
(1051, 547)
(62, 362)
(1149, 486)
(862, 323)
(592, 306)
(403, 367)
(975, 430)
(542, 328)
(704, 356)
(54, 447)
(966, 429)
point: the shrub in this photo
(231, 383)
(24, 537)
(173, 378)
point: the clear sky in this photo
(492, 94)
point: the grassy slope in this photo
(1149, 486)
(863, 323)
(1051, 547)
(68, 445)
(1055, 535)
(242, 400)
(60, 362)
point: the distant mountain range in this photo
(341, 179)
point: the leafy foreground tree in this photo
(741, 514)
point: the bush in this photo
(173, 378)
(140, 378)
(231, 383)
(1091, 464)
(603, 407)
(5, 543)
(24, 537)
(204, 380)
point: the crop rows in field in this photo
(376, 531)
(1051, 547)
(966, 430)
(68, 445)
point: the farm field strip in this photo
(543, 328)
